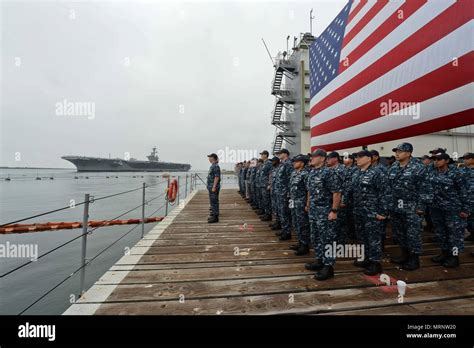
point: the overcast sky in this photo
(188, 77)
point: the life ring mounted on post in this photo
(172, 190)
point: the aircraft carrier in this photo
(96, 164)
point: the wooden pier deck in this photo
(186, 266)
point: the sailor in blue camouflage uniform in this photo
(410, 192)
(298, 204)
(323, 199)
(214, 186)
(333, 163)
(282, 188)
(253, 177)
(273, 194)
(450, 210)
(376, 162)
(468, 173)
(247, 182)
(346, 211)
(242, 178)
(264, 180)
(258, 191)
(368, 193)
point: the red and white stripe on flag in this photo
(406, 68)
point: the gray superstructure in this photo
(96, 164)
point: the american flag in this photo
(391, 69)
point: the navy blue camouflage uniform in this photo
(297, 205)
(214, 171)
(409, 190)
(341, 220)
(367, 191)
(450, 199)
(265, 171)
(282, 191)
(468, 175)
(273, 192)
(321, 184)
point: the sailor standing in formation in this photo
(325, 203)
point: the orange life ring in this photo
(172, 190)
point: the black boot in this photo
(286, 236)
(314, 266)
(412, 263)
(470, 238)
(441, 257)
(213, 219)
(295, 247)
(451, 262)
(362, 264)
(325, 273)
(267, 218)
(260, 212)
(278, 233)
(402, 258)
(302, 250)
(276, 227)
(373, 268)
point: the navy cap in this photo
(213, 155)
(319, 152)
(375, 153)
(441, 156)
(437, 150)
(264, 152)
(467, 155)
(333, 154)
(364, 153)
(301, 158)
(425, 157)
(406, 147)
(275, 158)
(284, 151)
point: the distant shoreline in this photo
(35, 168)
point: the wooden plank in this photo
(244, 272)
(303, 303)
(274, 285)
(441, 307)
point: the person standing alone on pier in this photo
(214, 186)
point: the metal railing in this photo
(190, 184)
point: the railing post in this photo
(178, 191)
(143, 210)
(186, 187)
(85, 226)
(166, 198)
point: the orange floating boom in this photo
(48, 226)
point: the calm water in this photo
(25, 196)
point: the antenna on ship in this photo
(269, 54)
(311, 17)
